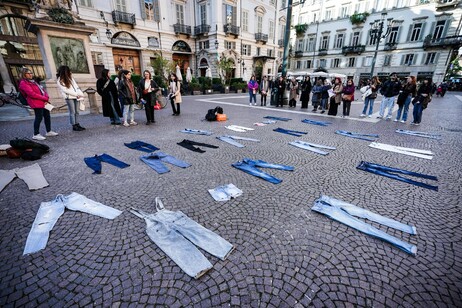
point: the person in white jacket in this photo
(72, 94)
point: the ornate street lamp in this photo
(108, 31)
(377, 34)
(216, 44)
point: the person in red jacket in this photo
(36, 98)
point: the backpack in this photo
(20, 97)
(219, 110)
(211, 116)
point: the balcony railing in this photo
(353, 49)
(452, 41)
(390, 46)
(231, 29)
(444, 4)
(260, 37)
(298, 53)
(281, 43)
(123, 18)
(182, 29)
(322, 52)
(202, 29)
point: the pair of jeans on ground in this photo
(418, 134)
(32, 175)
(194, 145)
(49, 213)
(157, 159)
(231, 140)
(73, 105)
(393, 173)
(94, 162)
(250, 166)
(313, 147)
(237, 128)
(357, 135)
(344, 212)
(368, 102)
(404, 109)
(387, 102)
(177, 236)
(320, 123)
(141, 146)
(402, 150)
(196, 131)
(225, 192)
(289, 132)
(41, 113)
(277, 118)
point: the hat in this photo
(393, 74)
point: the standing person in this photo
(110, 97)
(175, 94)
(280, 86)
(421, 100)
(336, 99)
(264, 88)
(253, 87)
(374, 85)
(348, 97)
(147, 89)
(293, 92)
(325, 95)
(128, 97)
(390, 89)
(404, 98)
(306, 89)
(317, 92)
(72, 94)
(36, 98)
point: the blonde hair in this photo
(24, 71)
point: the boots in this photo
(77, 127)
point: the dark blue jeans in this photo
(320, 123)
(141, 146)
(357, 135)
(417, 112)
(289, 132)
(95, 162)
(41, 113)
(277, 118)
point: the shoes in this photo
(148, 123)
(379, 117)
(416, 124)
(250, 104)
(81, 127)
(402, 121)
(153, 121)
(77, 128)
(38, 137)
(51, 134)
(369, 116)
(395, 120)
(323, 111)
(362, 115)
(388, 118)
(126, 124)
(173, 114)
(133, 123)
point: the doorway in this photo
(127, 59)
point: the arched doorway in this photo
(203, 65)
(181, 55)
(124, 58)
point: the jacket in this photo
(252, 85)
(390, 88)
(109, 95)
(349, 90)
(32, 91)
(141, 88)
(338, 89)
(178, 98)
(72, 92)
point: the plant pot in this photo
(197, 92)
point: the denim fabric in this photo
(269, 122)
(289, 132)
(277, 118)
(73, 106)
(264, 164)
(94, 162)
(156, 161)
(225, 192)
(324, 103)
(357, 135)
(141, 146)
(115, 117)
(320, 123)
(178, 235)
(78, 202)
(417, 112)
(368, 102)
(404, 109)
(238, 128)
(387, 102)
(230, 140)
(311, 147)
(407, 151)
(129, 109)
(191, 145)
(33, 176)
(41, 113)
(418, 134)
(196, 131)
(252, 170)
(390, 173)
(341, 215)
(243, 138)
(252, 96)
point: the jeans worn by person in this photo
(73, 105)
(387, 102)
(368, 102)
(417, 113)
(403, 110)
(41, 113)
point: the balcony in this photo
(123, 18)
(322, 52)
(298, 53)
(260, 37)
(390, 46)
(231, 29)
(201, 30)
(182, 29)
(353, 49)
(281, 43)
(446, 4)
(450, 41)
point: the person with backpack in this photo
(71, 94)
(110, 97)
(37, 98)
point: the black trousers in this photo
(333, 107)
(41, 113)
(149, 108)
(176, 110)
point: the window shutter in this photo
(398, 34)
(432, 29)
(409, 33)
(422, 31)
(156, 10)
(437, 56)
(414, 59)
(143, 9)
(403, 58)
(446, 27)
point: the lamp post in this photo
(377, 34)
(108, 31)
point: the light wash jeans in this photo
(196, 131)
(178, 235)
(312, 147)
(129, 109)
(156, 161)
(225, 192)
(387, 102)
(404, 109)
(369, 102)
(73, 106)
(418, 134)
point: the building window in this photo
(338, 43)
(351, 62)
(203, 14)
(269, 52)
(282, 31)
(230, 14)
(328, 15)
(408, 59)
(336, 63)
(258, 51)
(439, 29)
(97, 58)
(298, 65)
(308, 64)
(393, 37)
(230, 45)
(271, 29)
(272, 2)
(259, 24)
(430, 58)
(322, 63)
(153, 42)
(355, 38)
(367, 61)
(85, 3)
(344, 11)
(204, 45)
(179, 14)
(120, 5)
(387, 60)
(311, 44)
(245, 21)
(324, 42)
(246, 49)
(416, 31)
(299, 45)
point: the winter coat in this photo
(306, 89)
(390, 88)
(349, 89)
(72, 92)
(178, 98)
(338, 89)
(108, 94)
(293, 88)
(34, 93)
(252, 85)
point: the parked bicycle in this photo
(161, 97)
(12, 98)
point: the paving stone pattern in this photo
(286, 255)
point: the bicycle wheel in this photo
(2, 102)
(163, 102)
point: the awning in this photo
(264, 58)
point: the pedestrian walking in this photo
(374, 86)
(336, 99)
(264, 88)
(36, 98)
(390, 89)
(252, 85)
(128, 95)
(348, 96)
(147, 89)
(421, 101)
(175, 94)
(293, 92)
(280, 86)
(404, 98)
(72, 95)
(107, 89)
(305, 92)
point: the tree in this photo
(162, 67)
(226, 66)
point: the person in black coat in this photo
(421, 101)
(147, 89)
(280, 86)
(306, 89)
(110, 98)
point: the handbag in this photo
(347, 97)
(157, 106)
(81, 105)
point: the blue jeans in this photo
(95, 162)
(231, 141)
(252, 96)
(311, 147)
(417, 112)
(196, 131)
(129, 109)
(277, 118)
(404, 108)
(418, 134)
(390, 173)
(41, 113)
(250, 167)
(178, 235)
(344, 212)
(320, 123)
(73, 107)
(357, 135)
(368, 102)
(156, 161)
(387, 102)
(289, 132)
(141, 146)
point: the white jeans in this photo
(32, 175)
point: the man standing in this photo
(264, 87)
(390, 89)
(280, 86)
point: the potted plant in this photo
(358, 18)
(300, 29)
(195, 88)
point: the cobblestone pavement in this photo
(286, 255)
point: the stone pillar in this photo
(7, 84)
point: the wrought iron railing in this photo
(202, 29)
(123, 18)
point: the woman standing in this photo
(374, 85)
(72, 94)
(324, 95)
(317, 93)
(421, 100)
(348, 97)
(293, 92)
(110, 97)
(253, 87)
(175, 94)
(127, 93)
(404, 98)
(147, 89)
(336, 99)
(306, 89)
(36, 98)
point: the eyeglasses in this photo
(28, 73)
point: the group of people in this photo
(118, 98)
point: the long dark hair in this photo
(64, 76)
(105, 74)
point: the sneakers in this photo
(388, 118)
(250, 104)
(51, 134)
(126, 124)
(402, 121)
(362, 115)
(395, 120)
(369, 116)
(379, 117)
(133, 123)
(38, 137)
(323, 111)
